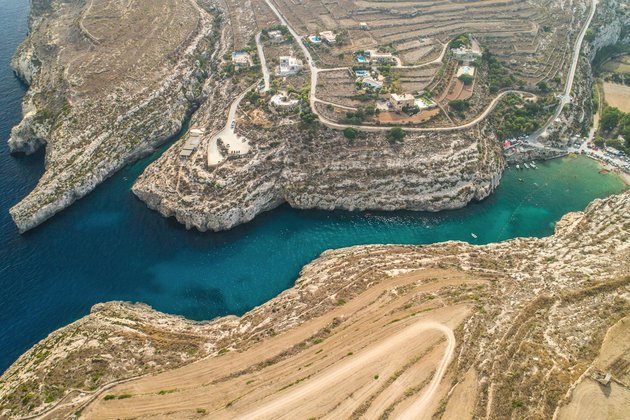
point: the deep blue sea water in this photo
(110, 246)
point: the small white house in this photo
(466, 54)
(378, 57)
(289, 66)
(363, 26)
(275, 36)
(328, 37)
(371, 83)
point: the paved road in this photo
(334, 125)
(362, 360)
(263, 62)
(566, 95)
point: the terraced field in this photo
(532, 37)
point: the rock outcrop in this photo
(100, 97)
(321, 169)
(533, 333)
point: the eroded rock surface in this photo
(109, 81)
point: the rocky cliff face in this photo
(100, 98)
(322, 169)
(534, 330)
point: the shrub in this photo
(395, 134)
(350, 133)
(467, 79)
(458, 105)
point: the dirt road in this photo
(364, 361)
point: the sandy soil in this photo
(617, 95)
(386, 349)
(590, 399)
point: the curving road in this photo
(323, 382)
(334, 125)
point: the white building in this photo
(378, 57)
(328, 36)
(399, 102)
(467, 54)
(363, 26)
(371, 83)
(289, 65)
(275, 36)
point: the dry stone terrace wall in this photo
(103, 100)
(534, 37)
(536, 325)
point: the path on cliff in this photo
(362, 361)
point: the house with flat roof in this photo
(329, 37)
(381, 58)
(275, 36)
(467, 54)
(289, 65)
(399, 102)
(371, 83)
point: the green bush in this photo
(350, 133)
(395, 134)
(467, 79)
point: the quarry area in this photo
(321, 105)
(524, 328)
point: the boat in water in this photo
(526, 165)
(518, 166)
(533, 165)
(473, 235)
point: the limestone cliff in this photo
(100, 98)
(322, 169)
(547, 307)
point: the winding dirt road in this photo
(364, 361)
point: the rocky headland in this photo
(322, 169)
(103, 93)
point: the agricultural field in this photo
(617, 96)
(530, 37)
(618, 65)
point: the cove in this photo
(109, 246)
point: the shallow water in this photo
(109, 246)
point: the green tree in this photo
(610, 118)
(589, 35)
(395, 134)
(543, 86)
(350, 133)
(458, 105)
(467, 79)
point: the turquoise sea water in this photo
(110, 246)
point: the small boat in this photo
(517, 166)
(473, 235)
(526, 165)
(521, 180)
(533, 164)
